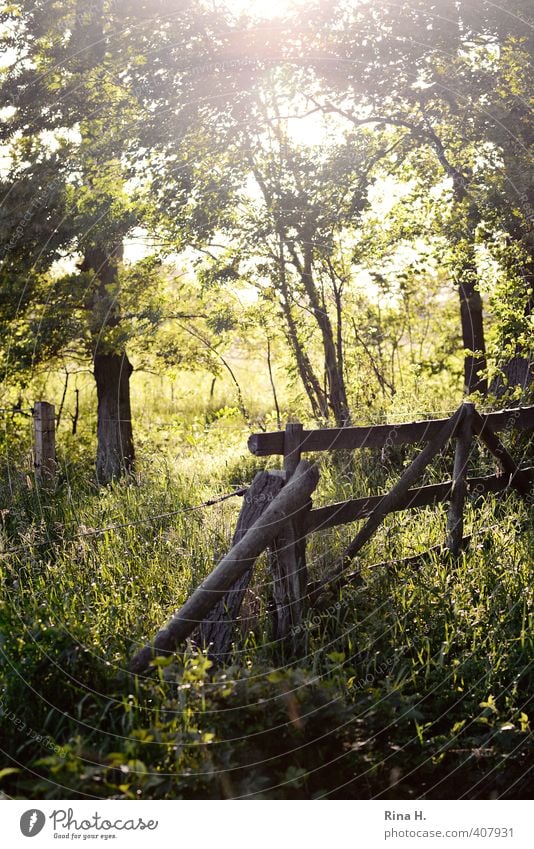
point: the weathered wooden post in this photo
(290, 501)
(44, 426)
(287, 558)
(292, 447)
(455, 516)
(217, 630)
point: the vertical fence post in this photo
(288, 556)
(44, 425)
(292, 447)
(455, 516)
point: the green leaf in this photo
(10, 770)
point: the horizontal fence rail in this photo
(344, 512)
(277, 516)
(376, 436)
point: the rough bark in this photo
(519, 371)
(472, 322)
(111, 369)
(115, 449)
(45, 441)
(287, 557)
(287, 563)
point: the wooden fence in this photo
(44, 435)
(44, 438)
(278, 516)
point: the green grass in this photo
(415, 684)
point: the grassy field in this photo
(417, 684)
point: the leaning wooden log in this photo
(414, 471)
(216, 632)
(485, 432)
(293, 498)
(390, 501)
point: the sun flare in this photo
(263, 8)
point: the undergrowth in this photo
(414, 683)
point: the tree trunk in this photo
(516, 372)
(337, 395)
(115, 450)
(309, 380)
(111, 368)
(335, 384)
(472, 331)
(471, 318)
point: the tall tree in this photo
(69, 111)
(79, 139)
(296, 213)
(442, 73)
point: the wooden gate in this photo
(278, 516)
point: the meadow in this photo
(416, 684)
(217, 218)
